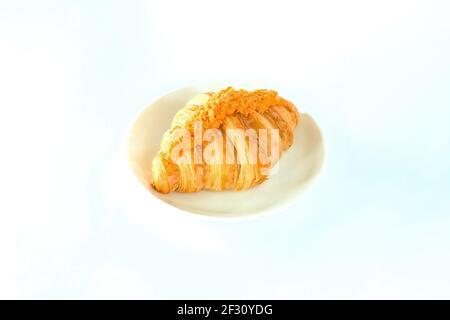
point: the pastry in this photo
(225, 140)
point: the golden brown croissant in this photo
(224, 140)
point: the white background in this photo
(374, 74)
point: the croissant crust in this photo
(217, 113)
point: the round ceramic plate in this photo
(298, 166)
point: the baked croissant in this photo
(233, 163)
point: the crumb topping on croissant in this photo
(230, 101)
(221, 111)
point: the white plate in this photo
(298, 166)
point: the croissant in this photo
(227, 140)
